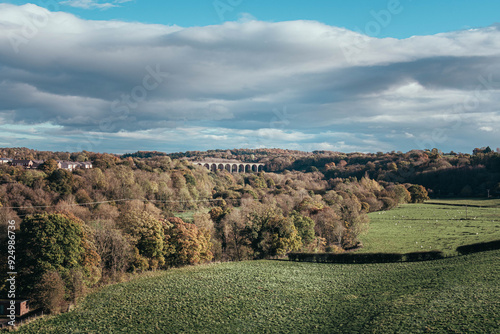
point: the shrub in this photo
(479, 247)
(346, 257)
(423, 256)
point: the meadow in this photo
(443, 226)
(491, 203)
(457, 294)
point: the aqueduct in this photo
(232, 166)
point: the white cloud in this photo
(93, 4)
(486, 128)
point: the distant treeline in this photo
(444, 175)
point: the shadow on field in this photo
(362, 258)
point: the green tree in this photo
(270, 233)
(304, 226)
(49, 166)
(55, 242)
(61, 181)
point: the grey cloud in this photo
(77, 74)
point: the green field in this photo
(424, 227)
(454, 295)
(493, 203)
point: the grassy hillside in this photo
(424, 227)
(458, 294)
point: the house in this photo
(23, 163)
(27, 163)
(21, 307)
(85, 164)
(5, 160)
(69, 165)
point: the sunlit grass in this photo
(458, 294)
(424, 227)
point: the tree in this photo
(55, 242)
(402, 195)
(304, 226)
(145, 234)
(329, 226)
(49, 166)
(50, 291)
(355, 221)
(61, 181)
(114, 249)
(187, 244)
(418, 193)
(217, 215)
(237, 244)
(270, 233)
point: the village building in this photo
(68, 165)
(33, 164)
(21, 307)
(29, 164)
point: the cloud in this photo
(283, 84)
(93, 4)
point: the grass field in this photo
(459, 294)
(492, 203)
(424, 227)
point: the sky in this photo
(353, 76)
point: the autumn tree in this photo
(188, 245)
(114, 249)
(270, 233)
(237, 244)
(329, 226)
(145, 234)
(418, 193)
(217, 215)
(50, 291)
(49, 166)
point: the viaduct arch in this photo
(232, 166)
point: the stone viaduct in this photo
(232, 166)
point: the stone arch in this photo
(234, 168)
(207, 166)
(248, 168)
(220, 167)
(241, 168)
(254, 168)
(213, 167)
(227, 167)
(260, 168)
